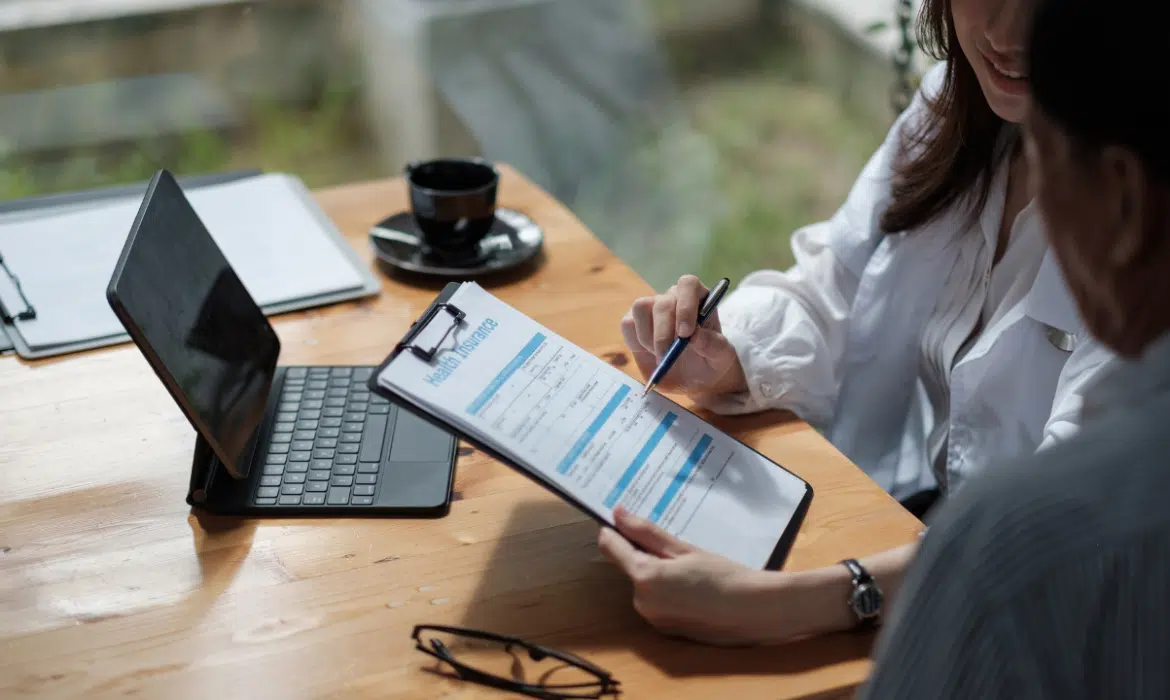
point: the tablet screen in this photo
(196, 323)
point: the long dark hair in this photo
(948, 159)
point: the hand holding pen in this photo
(702, 361)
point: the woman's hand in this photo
(709, 365)
(684, 591)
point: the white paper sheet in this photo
(580, 423)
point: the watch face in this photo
(867, 600)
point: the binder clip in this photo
(428, 354)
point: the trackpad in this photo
(416, 440)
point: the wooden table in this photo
(110, 586)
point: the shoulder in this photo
(857, 222)
(1024, 520)
(933, 80)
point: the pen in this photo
(707, 306)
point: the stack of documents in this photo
(285, 250)
(580, 427)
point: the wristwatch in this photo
(866, 598)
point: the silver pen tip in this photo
(646, 390)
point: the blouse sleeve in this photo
(788, 328)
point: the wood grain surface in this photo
(111, 587)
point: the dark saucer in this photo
(513, 241)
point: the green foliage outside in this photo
(788, 149)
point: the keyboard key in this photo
(294, 478)
(352, 416)
(281, 437)
(368, 467)
(278, 449)
(326, 442)
(344, 469)
(324, 453)
(335, 401)
(352, 427)
(337, 391)
(270, 480)
(359, 394)
(309, 414)
(329, 432)
(333, 411)
(304, 435)
(294, 381)
(277, 469)
(299, 456)
(330, 422)
(379, 409)
(302, 444)
(292, 489)
(372, 439)
(345, 459)
(318, 372)
(306, 425)
(276, 459)
(341, 481)
(283, 427)
(319, 475)
(315, 394)
(339, 381)
(342, 371)
(316, 486)
(317, 384)
(358, 407)
(338, 496)
(367, 478)
(265, 501)
(313, 499)
(348, 448)
(296, 372)
(362, 373)
(363, 490)
(297, 468)
(267, 492)
(351, 437)
(361, 501)
(312, 403)
(293, 395)
(379, 400)
(290, 500)
(289, 406)
(321, 463)
(286, 416)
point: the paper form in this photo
(581, 424)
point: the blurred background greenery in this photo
(790, 110)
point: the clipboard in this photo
(58, 313)
(442, 311)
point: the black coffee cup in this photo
(453, 201)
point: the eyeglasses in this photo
(489, 659)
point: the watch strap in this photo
(860, 575)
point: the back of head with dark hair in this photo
(1101, 70)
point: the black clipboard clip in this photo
(425, 354)
(29, 313)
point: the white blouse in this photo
(865, 336)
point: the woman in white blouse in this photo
(925, 329)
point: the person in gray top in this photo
(1051, 579)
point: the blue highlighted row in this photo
(505, 374)
(593, 429)
(680, 478)
(643, 454)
